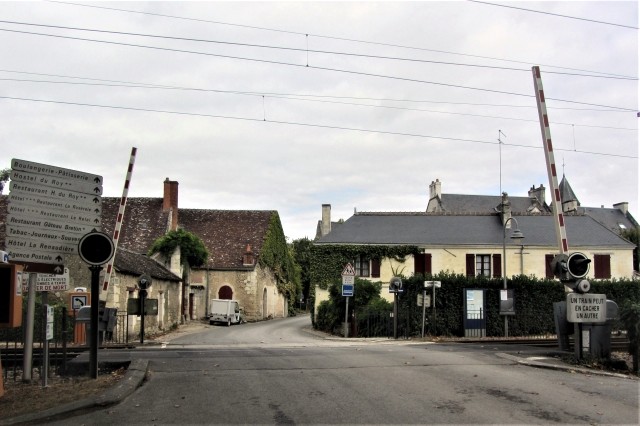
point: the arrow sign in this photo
(23, 200)
(58, 172)
(87, 187)
(63, 195)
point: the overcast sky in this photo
(288, 106)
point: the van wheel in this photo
(228, 322)
(211, 323)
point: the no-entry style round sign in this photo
(96, 248)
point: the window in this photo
(422, 263)
(484, 264)
(362, 266)
(602, 266)
(548, 272)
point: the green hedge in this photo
(534, 300)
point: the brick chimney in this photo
(435, 190)
(623, 207)
(170, 201)
(248, 258)
(538, 193)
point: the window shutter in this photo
(602, 266)
(418, 260)
(497, 265)
(548, 272)
(427, 264)
(375, 268)
(471, 265)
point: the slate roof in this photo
(132, 263)
(611, 218)
(481, 204)
(425, 229)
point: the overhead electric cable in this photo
(306, 99)
(306, 34)
(294, 123)
(313, 67)
(275, 94)
(307, 50)
(555, 14)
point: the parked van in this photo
(224, 311)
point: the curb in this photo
(132, 379)
(561, 367)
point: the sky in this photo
(289, 106)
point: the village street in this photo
(277, 372)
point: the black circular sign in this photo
(96, 248)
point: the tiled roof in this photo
(137, 264)
(143, 222)
(226, 233)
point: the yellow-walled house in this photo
(468, 234)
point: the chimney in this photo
(326, 219)
(170, 201)
(505, 209)
(435, 190)
(623, 207)
(247, 258)
(538, 193)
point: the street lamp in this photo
(515, 235)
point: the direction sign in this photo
(44, 169)
(50, 209)
(20, 199)
(87, 187)
(87, 200)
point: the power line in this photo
(555, 14)
(275, 94)
(316, 68)
(307, 50)
(306, 35)
(303, 99)
(294, 123)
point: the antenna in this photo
(500, 148)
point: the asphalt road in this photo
(276, 373)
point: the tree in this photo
(192, 249)
(302, 256)
(630, 316)
(4, 177)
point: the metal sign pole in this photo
(346, 319)
(28, 339)
(93, 338)
(45, 341)
(424, 308)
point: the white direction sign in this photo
(48, 282)
(53, 171)
(85, 186)
(586, 307)
(50, 209)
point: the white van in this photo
(225, 312)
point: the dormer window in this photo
(621, 226)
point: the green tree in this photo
(630, 316)
(192, 249)
(633, 235)
(4, 178)
(302, 255)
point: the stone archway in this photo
(225, 293)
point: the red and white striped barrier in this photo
(561, 232)
(116, 230)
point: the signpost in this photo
(433, 285)
(50, 208)
(348, 284)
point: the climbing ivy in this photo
(192, 250)
(275, 255)
(328, 260)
